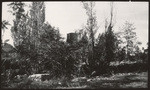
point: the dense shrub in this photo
(126, 68)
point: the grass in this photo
(120, 80)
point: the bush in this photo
(125, 68)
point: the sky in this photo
(71, 16)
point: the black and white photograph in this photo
(74, 44)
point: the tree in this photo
(25, 32)
(50, 50)
(145, 58)
(37, 14)
(111, 39)
(129, 38)
(106, 47)
(39, 44)
(17, 11)
(91, 28)
(82, 53)
(19, 30)
(100, 54)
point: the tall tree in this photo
(110, 38)
(19, 13)
(21, 34)
(27, 27)
(37, 14)
(91, 27)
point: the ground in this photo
(120, 80)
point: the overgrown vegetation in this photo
(41, 49)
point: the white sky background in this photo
(70, 16)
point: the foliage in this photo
(52, 51)
(17, 11)
(100, 54)
(110, 45)
(106, 48)
(91, 29)
(130, 39)
(111, 39)
(4, 24)
(42, 44)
